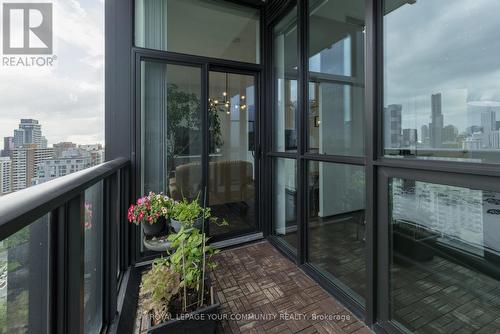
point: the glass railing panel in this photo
(24, 263)
(93, 274)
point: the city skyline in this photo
(452, 69)
(440, 132)
(26, 159)
(68, 98)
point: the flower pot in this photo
(176, 224)
(155, 229)
(418, 246)
(201, 321)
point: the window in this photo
(445, 256)
(285, 62)
(217, 29)
(441, 80)
(336, 77)
(336, 224)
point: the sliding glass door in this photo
(171, 129)
(190, 146)
(231, 167)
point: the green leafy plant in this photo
(190, 257)
(214, 127)
(159, 285)
(187, 212)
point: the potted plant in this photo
(188, 214)
(414, 241)
(176, 295)
(151, 212)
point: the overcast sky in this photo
(67, 99)
(443, 46)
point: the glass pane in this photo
(171, 133)
(285, 73)
(336, 77)
(93, 276)
(441, 80)
(445, 258)
(336, 224)
(231, 178)
(218, 29)
(24, 263)
(285, 201)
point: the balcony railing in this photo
(60, 252)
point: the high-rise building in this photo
(68, 158)
(450, 134)
(409, 138)
(5, 175)
(61, 147)
(424, 134)
(19, 138)
(437, 123)
(24, 163)
(392, 119)
(8, 146)
(45, 142)
(32, 131)
(96, 152)
(489, 124)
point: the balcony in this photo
(352, 145)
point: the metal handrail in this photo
(21, 208)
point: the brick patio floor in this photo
(257, 280)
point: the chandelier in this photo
(224, 103)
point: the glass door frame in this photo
(206, 65)
(258, 147)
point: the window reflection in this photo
(445, 257)
(217, 29)
(336, 77)
(231, 177)
(171, 130)
(441, 80)
(336, 224)
(285, 83)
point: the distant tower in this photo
(32, 131)
(489, 124)
(392, 126)
(436, 126)
(19, 138)
(424, 135)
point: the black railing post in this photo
(111, 221)
(74, 265)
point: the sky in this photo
(67, 99)
(447, 47)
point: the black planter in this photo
(201, 321)
(152, 230)
(176, 225)
(414, 246)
